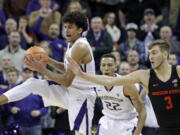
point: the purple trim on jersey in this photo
(133, 130)
(107, 89)
(98, 128)
(52, 83)
(82, 112)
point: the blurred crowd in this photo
(124, 28)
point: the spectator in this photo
(166, 34)
(149, 31)
(34, 5)
(2, 22)
(44, 15)
(99, 39)
(132, 43)
(132, 11)
(57, 45)
(173, 59)
(10, 26)
(14, 50)
(23, 29)
(133, 60)
(114, 31)
(61, 121)
(118, 58)
(124, 68)
(6, 63)
(27, 112)
(14, 8)
(12, 74)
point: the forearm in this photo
(159, 19)
(27, 38)
(141, 121)
(56, 77)
(59, 66)
(103, 80)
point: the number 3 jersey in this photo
(115, 104)
(165, 98)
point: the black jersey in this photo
(165, 98)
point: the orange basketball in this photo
(36, 54)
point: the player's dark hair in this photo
(109, 55)
(77, 18)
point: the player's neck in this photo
(165, 67)
(72, 42)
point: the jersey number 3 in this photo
(169, 102)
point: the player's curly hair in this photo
(77, 18)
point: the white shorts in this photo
(80, 103)
(108, 126)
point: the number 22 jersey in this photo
(165, 98)
(115, 104)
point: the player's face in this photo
(156, 57)
(108, 66)
(72, 32)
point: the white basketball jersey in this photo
(88, 68)
(115, 104)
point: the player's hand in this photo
(34, 64)
(15, 110)
(74, 66)
(35, 113)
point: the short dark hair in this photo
(163, 45)
(109, 55)
(77, 18)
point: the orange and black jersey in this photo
(165, 98)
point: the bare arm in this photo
(158, 19)
(131, 91)
(59, 66)
(105, 80)
(67, 77)
(3, 99)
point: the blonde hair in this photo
(162, 44)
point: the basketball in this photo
(36, 53)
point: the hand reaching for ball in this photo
(36, 58)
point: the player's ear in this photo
(80, 30)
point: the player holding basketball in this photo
(162, 82)
(120, 105)
(80, 96)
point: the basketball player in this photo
(162, 81)
(120, 115)
(75, 94)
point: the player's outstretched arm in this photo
(132, 92)
(103, 79)
(59, 66)
(3, 99)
